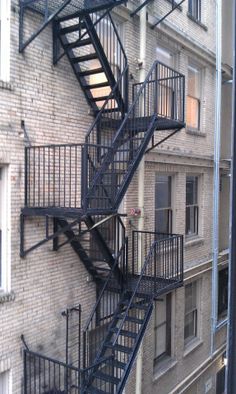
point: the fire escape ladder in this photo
(97, 57)
(118, 333)
(158, 104)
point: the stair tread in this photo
(94, 390)
(91, 72)
(106, 377)
(84, 58)
(125, 333)
(116, 364)
(135, 305)
(97, 85)
(78, 43)
(120, 348)
(72, 28)
(131, 319)
(99, 98)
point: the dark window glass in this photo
(194, 8)
(162, 328)
(223, 293)
(191, 205)
(190, 320)
(163, 211)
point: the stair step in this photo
(91, 72)
(119, 348)
(72, 28)
(94, 390)
(78, 43)
(136, 305)
(125, 333)
(116, 364)
(85, 58)
(131, 319)
(101, 98)
(107, 378)
(97, 85)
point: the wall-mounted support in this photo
(175, 5)
(47, 15)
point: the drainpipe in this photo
(141, 177)
(216, 189)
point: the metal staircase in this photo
(78, 189)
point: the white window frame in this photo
(5, 191)
(5, 13)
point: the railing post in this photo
(156, 90)
(25, 372)
(84, 177)
(26, 177)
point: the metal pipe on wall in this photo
(216, 188)
(231, 343)
(141, 177)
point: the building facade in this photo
(51, 128)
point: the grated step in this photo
(85, 58)
(101, 98)
(107, 378)
(119, 348)
(78, 43)
(125, 333)
(72, 28)
(131, 319)
(91, 72)
(116, 364)
(94, 390)
(97, 85)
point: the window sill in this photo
(195, 132)
(204, 27)
(163, 367)
(6, 85)
(6, 297)
(193, 241)
(194, 344)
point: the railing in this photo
(54, 174)
(166, 263)
(130, 135)
(46, 375)
(114, 52)
(97, 326)
(49, 376)
(165, 94)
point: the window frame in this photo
(169, 207)
(5, 212)
(194, 311)
(195, 207)
(6, 381)
(196, 14)
(5, 14)
(168, 331)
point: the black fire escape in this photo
(78, 189)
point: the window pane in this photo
(163, 191)
(190, 325)
(193, 82)
(223, 293)
(164, 56)
(160, 347)
(193, 113)
(191, 220)
(191, 190)
(190, 297)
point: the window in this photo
(5, 40)
(163, 211)
(223, 293)
(164, 56)
(165, 92)
(162, 328)
(191, 313)
(194, 9)
(5, 382)
(193, 98)
(4, 231)
(191, 206)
